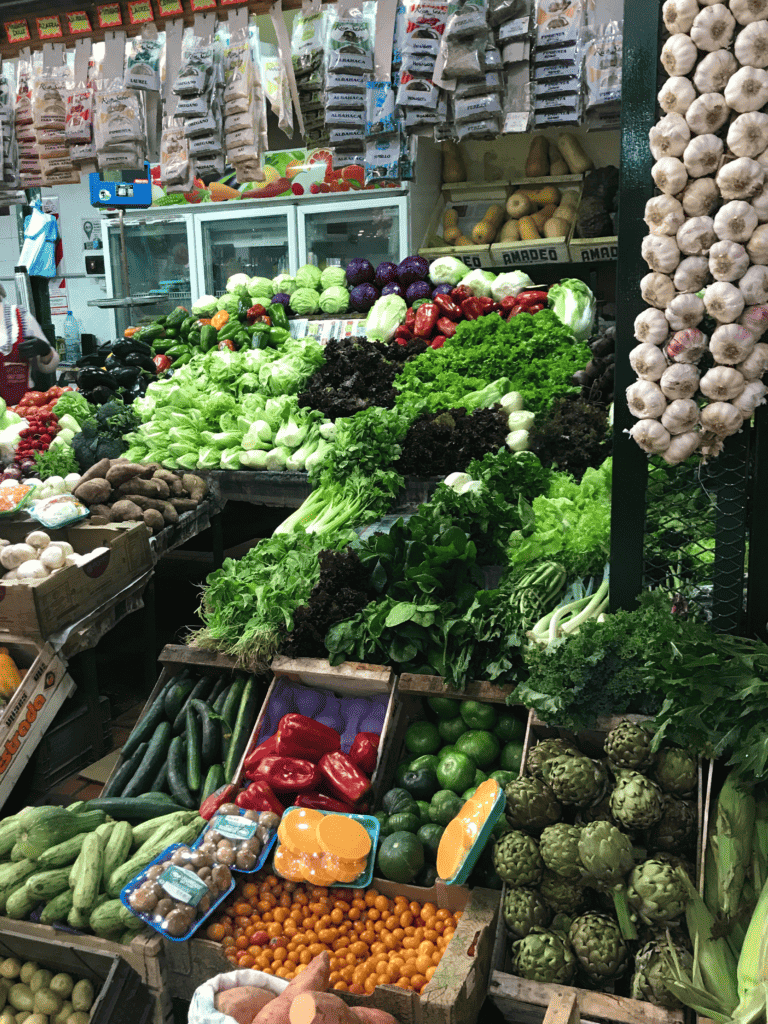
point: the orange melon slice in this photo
(343, 837)
(347, 871)
(451, 851)
(314, 872)
(288, 864)
(299, 828)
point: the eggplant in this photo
(112, 363)
(126, 376)
(89, 379)
(139, 359)
(92, 359)
(123, 349)
(99, 395)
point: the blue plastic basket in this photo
(372, 826)
(466, 866)
(265, 850)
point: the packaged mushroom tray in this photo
(242, 840)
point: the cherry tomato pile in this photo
(278, 927)
(37, 437)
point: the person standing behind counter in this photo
(23, 349)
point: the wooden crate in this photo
(594, 250)
(435, 686)
(144, 957)
(525, 255)
(474, 198)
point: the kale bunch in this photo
(573, 438)
(102, 435)
(446, 442)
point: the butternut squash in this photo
(566, 213)
(555, 227)
(557, 165)
(463, 240)
(528, 229)
(573, 153)
(484, 232)
(545, 196)
(543, 215)
(510, 232)
(453, 163)
(519, 205)
(537, 164)
(450, 218)
(451, 234)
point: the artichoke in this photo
(575, 779)
(599, 947)
(562, 895)
(531, 805)
(654, 966)
(676, 828)
(636, 801)
(596, 812)
(516, 859)
(657, 892)
(606, 853)
(629, 746)
(524, 909)
(559, 849)
(545, 751)
(544, 956)
(676, 770)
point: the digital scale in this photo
(124, 191)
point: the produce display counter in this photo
(190, 524)
(433, 686)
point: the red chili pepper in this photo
(254, 312)
(426, 320)
(515, 310)
(321, 802)
(438, 341)
(446, 327)
(403, 333)
(364, 751)
(289, 774)
(162, 363)
(268, 748)
(410, 318)
(459, 293)
(535, 308)
(344, 778)
(223, 795)
(448, 307)
(302, 737)
(259, 796)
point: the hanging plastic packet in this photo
(350, 43)
(382, 160)
(513, 15)
(275, 81)
(196, 71)
(602, 66)
(398, 35)
(558, 22)
(118, 125)
(517, 99)
(476, 108)
(23, 108)
(380, 118)
(142, 68)
(464, 41)
(175, 168)
(49, 99)
(491, 82)
(79, 117)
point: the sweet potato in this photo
(320, 1008)
(184, 504)
(174, 482)
(276, 1012)
(119, 472)
(165, 508)
(104, 511)
(97, 471)
(370, 1016)
(314, 979)
(195, 486)
(93, 492)
(153, 519)
(126, 511)
(242, 1004)
(147, 488)
(149, 469)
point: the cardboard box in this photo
(71, 594)
(25, 717)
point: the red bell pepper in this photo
(476, 306)
(223, 795)
(364, 751)
(289, 774)
(321, 802)
(438, 341)
(302, 737)
(529, 298)
(508, 303)
(161, 363)
(254, 312)
(410, 318)
(459, 293)
(448, 307)
(403, 333)
(343, 778)
(426, 320)
(266, 749)
(446, 327)
(227, 344)
(259, 796)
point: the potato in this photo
(314, 979)
(126, 511)
(119, 472)
(93, 492)
(101, 511)
(97, 471)
(320, 1008)
(154, 520)
(277, 1011)
(196, 488)
(242, 1004)
(147, 488)
(149, 469)
(165, 508)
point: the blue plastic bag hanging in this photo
(40, 235)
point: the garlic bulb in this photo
(651, 436)
(762, 158)
(760, 205)
(697, 236)
(712, 73)
(645, 400)
(692, 274)
(661, 253)
(731, 344)
(681, 448)
(750, 398)
(647, 361)
(728, 261)
(747, 89)
(751, 46)
(700, 197)
(686, 346)
(670, 175)
(669, 136)
(723, 301)
(740, 179)
(651, 326)
(678, 55)
(757, 246)
(722, 383)
(748, 134)
(702, 155)
(707, 114)
(721, 418)
(680, 416)
(755, 319)
(756, 364)
(747, 11)
(713, 28)
(657, 290)
(664, 215)
(676, 95)
(736, 221)
(680, 380)
(684, 311)
(754, 285)
(679, 14)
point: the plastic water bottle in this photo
(72, 338)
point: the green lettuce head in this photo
(334, 300)
(230, 302)
(261, 287)
(284, 283)
(333, 277)
(574, 305)
(305, 301)
(308, 277)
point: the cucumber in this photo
(194, 733)
(88, 877)
(117, 849)
(200, 692)
(136, 808)
(211, 747)
(57, 908)
(219, 687)
(213, 780)
(125, 772)
(64, 854)
(147, 725)
(233, 701)
(221, 700)
(160, 781)
(177, 774)
(157, 752)
(177, 695)
(243, 726)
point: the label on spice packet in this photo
(234, 827)
(183, 885)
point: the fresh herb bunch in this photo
(365, 443)
(448, 441)
(59, 460)
(573, 437)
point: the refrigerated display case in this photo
(376, 229)
(259, 242)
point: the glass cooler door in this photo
(259, 243)
(376, 230)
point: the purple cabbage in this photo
(412, 268)
(392, 289)
(359, 271)
(386, 273)
(418, 290)
(442, 289)
(284, 299)
(362, 297)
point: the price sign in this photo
(203, 5)
(139, 11)
(49, 27)
(168, 8)
(78, 22)
(17, 31)
(109, 16)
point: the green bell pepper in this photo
(177, 350)
(208, 337)
(242, 309)
(181, 360)
(276, 313)
(186, 326)
(161, 345)
(229, 330)
(278, 336)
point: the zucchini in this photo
(20, 904)
(233, 701)
(146, 726)
(211, 745)
(88, 877)
(142, 808)
(194, 745)
(117, 849)
(142, 832)
(130, 922)
(9, 830)
(125, 772)
(64, 854)
(200, 692)
(76, 806)
(78, 919)
(177, 694)
(13, 876)
(44, 885)
(57, 908)
(157, 752)
(177, 774)
(56, 828)
(122, 875)
(243, 727)
(106, 920)
(213, 780)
